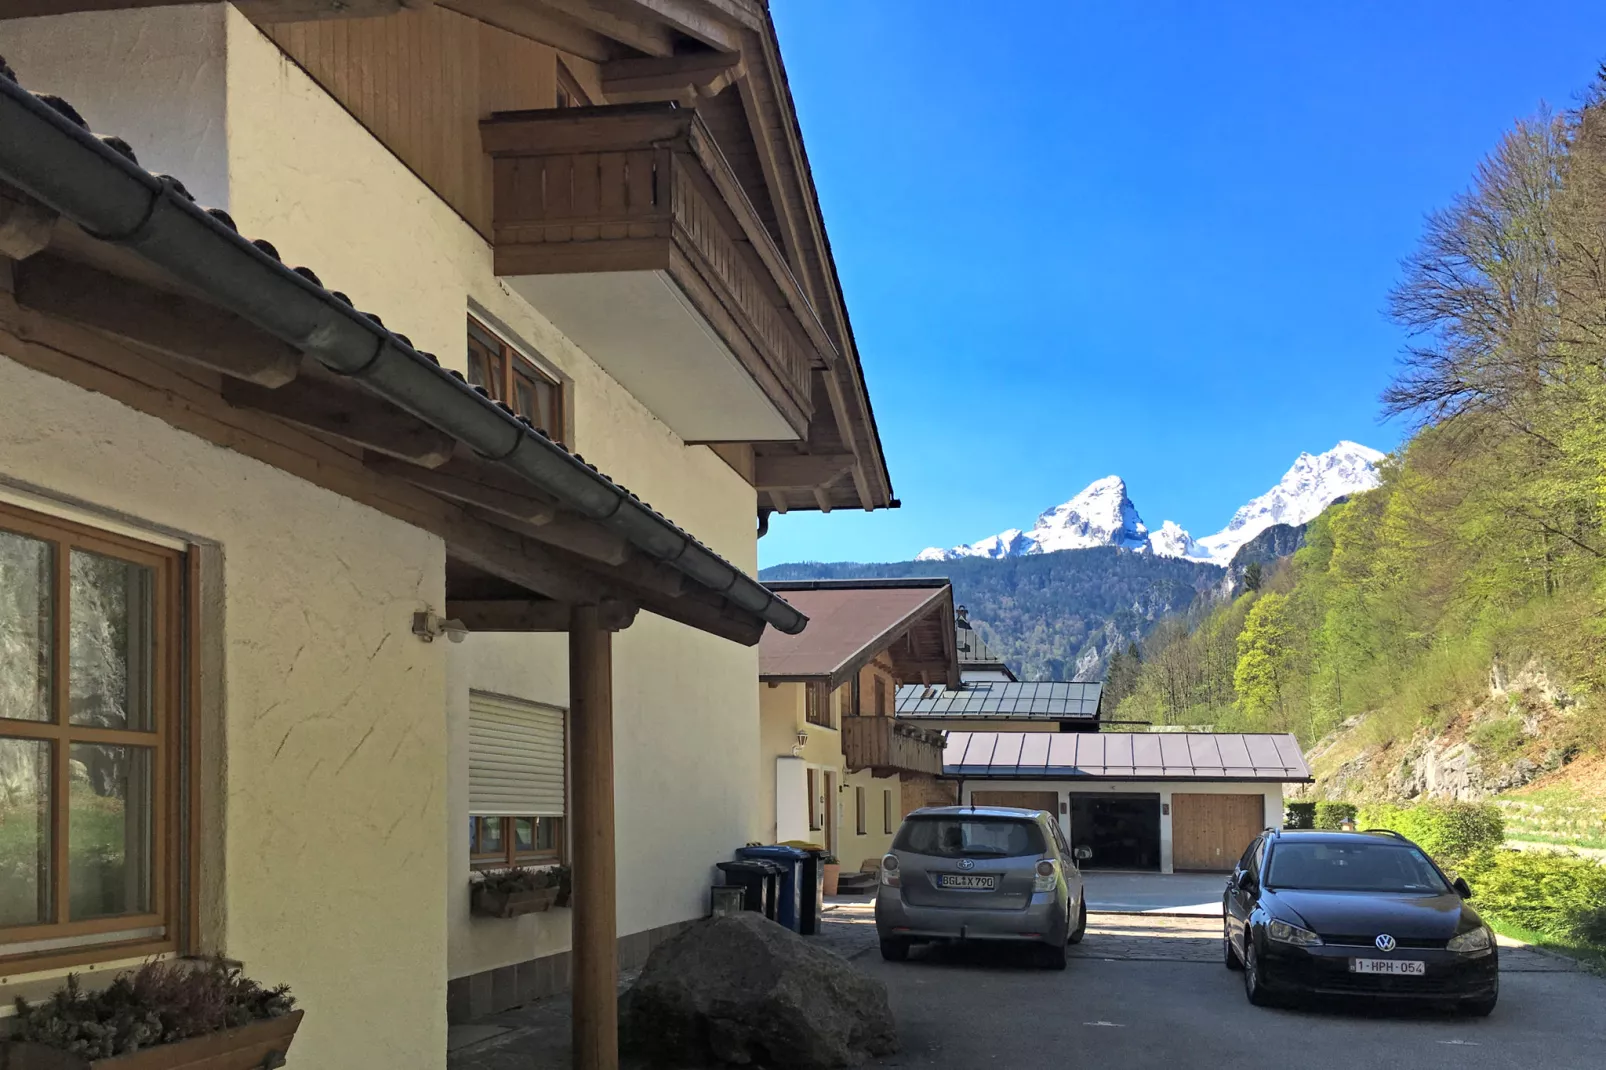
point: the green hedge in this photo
(1450, 832)
(1300, 815)
(1560, 895)
(1332, 815)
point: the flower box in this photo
(258, 1046)
(488, 903)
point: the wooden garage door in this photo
(1211, 831)
(1027, 800)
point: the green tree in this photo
(1264, 650)
(1253, 576)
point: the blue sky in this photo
(1146, 239)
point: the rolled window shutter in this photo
(515, 758)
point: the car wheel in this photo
(1479, 1008)
(1229, 954)
(894, 950)
(1051, 956)
(1253, 986)
(1081, 925)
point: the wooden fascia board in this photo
(679, 78)
(308, 10)
(622, 22)
(545, 27)
(886, 638)
(708, 21)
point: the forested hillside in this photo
(1482, 556)
(1053, 616)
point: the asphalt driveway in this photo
(1160, 893)
(1152, 992)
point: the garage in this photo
(1122, 830)
(1210, 832)
(1144, 802)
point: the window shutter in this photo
(515, 758)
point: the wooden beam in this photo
(466, 481)
(595, 956)
(257, 10)
(168, 323)
(778, 501)
(549, 28)
(523, 562)
(646, 36)
(566, 532)
(25, 225)
(844, 429)
(350, 414)
(532, 615)
(800, 470)
(690, 19)
(679, 78)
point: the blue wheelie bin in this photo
(791, 861)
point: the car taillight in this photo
(1047, 876)
(889, 871)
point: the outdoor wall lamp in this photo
(802, 737)
(428, 625)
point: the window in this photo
(880, 696)
(886, 812)
(814, 800)
(570, 95)
(817, 705)
(858, 810)
(91, 638)
(974, 837)
(510, 377)
(517, 788)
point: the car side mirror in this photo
(1083, 853)
(1462, 888)
(1245, 881)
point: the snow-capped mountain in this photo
(1103, 514)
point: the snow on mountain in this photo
(1103, 515)
(1310, 486)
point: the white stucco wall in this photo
(152, 76)
(324, 805)
(1272, 793)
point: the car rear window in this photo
(1353, 867)
(958, 837)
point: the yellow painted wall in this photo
(325, 799)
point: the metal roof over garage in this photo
(1193, 756)
(1001, 700)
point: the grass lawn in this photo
(1593, 958)
(1556, 813)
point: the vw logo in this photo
(970, 863)
(1385, 942)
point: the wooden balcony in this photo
(886, 746)
(628, 229)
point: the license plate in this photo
(1394, 967)
(966, 880)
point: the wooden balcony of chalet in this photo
(886, 746)
(627, 227)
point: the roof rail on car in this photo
(1387, 832)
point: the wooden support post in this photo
(595, 943)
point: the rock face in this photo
(742, 991)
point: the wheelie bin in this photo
(790, 859)
(759, 878)
(811, 903)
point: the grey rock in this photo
(743, 991)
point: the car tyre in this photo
(1229, 954)
(1479, 1008)
(894, 950)
(1052, 956)
(1081, 925)
(1254, 988)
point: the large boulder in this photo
(741, 990)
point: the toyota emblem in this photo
(970, 863)
(1385, 942)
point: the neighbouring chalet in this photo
(836, 766)
(321, 322)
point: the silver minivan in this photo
(980, 873)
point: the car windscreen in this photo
(974, 837)
(1352, 867)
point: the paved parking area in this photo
(1167, 893)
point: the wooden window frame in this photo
(861, 819)
(502, 369)
(817, 706)
(816, 782)
(886, 811)
(569, 93)
(510, 855)
(173, 740)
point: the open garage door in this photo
(1026, 800)
(1210, 832)
(1123, 830)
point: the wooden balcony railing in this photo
(885, 746)
(645, 188)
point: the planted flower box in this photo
(258, 1046)
(490, 903)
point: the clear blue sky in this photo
(1146, 239)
